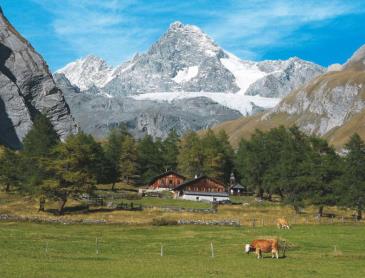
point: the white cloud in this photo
(255, 25)
(103, 28)
(116, 29)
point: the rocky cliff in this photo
(183, 70)
(96, 113)
(185, 59)
(26, 88)
(331, 105)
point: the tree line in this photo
(303, 169)
(49, 168)
(299, 168)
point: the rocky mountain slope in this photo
(185, 67)
(332, 105)
(97, 114)
(26, 88)
(185, 59)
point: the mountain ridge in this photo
(184, 64)
(332, 105)
(27, 88)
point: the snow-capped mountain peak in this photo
(87, 72)
(191, 35)
(186, 61)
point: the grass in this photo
(265, 213)
(127, 251)
(167, 202)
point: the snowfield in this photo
(237, 101)
(245, 72)
(186, 74)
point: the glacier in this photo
(235, 101)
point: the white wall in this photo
(203, 198)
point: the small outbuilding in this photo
(234, 187)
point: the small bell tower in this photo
(232, 180)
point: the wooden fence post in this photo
(97, 246)
(212, 249)
(161, 252)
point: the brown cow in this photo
(260, 246)
(282, 223)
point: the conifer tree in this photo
(149, 158)
(191, 156)
(325, 170)
(9, 169)
(112, 150)
(41, 138)
(170, 150)
(37, 147)
(73, 169)
(228, 154)
(128, 158)
(354, 175)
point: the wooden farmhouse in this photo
(202, 189)
(167, 180)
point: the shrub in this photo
(161, 221)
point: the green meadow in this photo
(56, 250)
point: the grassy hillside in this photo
(39, 251)
(340, 136)
(244, 127)
(319, 89)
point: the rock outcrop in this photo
(283, 77)
(26, 88)
(331, 105)
(185, 63)
(96, 113)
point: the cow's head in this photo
(247, 248)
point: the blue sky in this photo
(321, 31)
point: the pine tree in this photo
(256, 162)
(213, 157)
(41, 138)
(191, 157)
(9, 169)
(241, 162)
(37, 147)
(170, 150)
(73, 169)
(294, 172)
(228, 155)
(354, 175)
(325, 170)
(150, 161)
(112, 150)
(128, 158)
